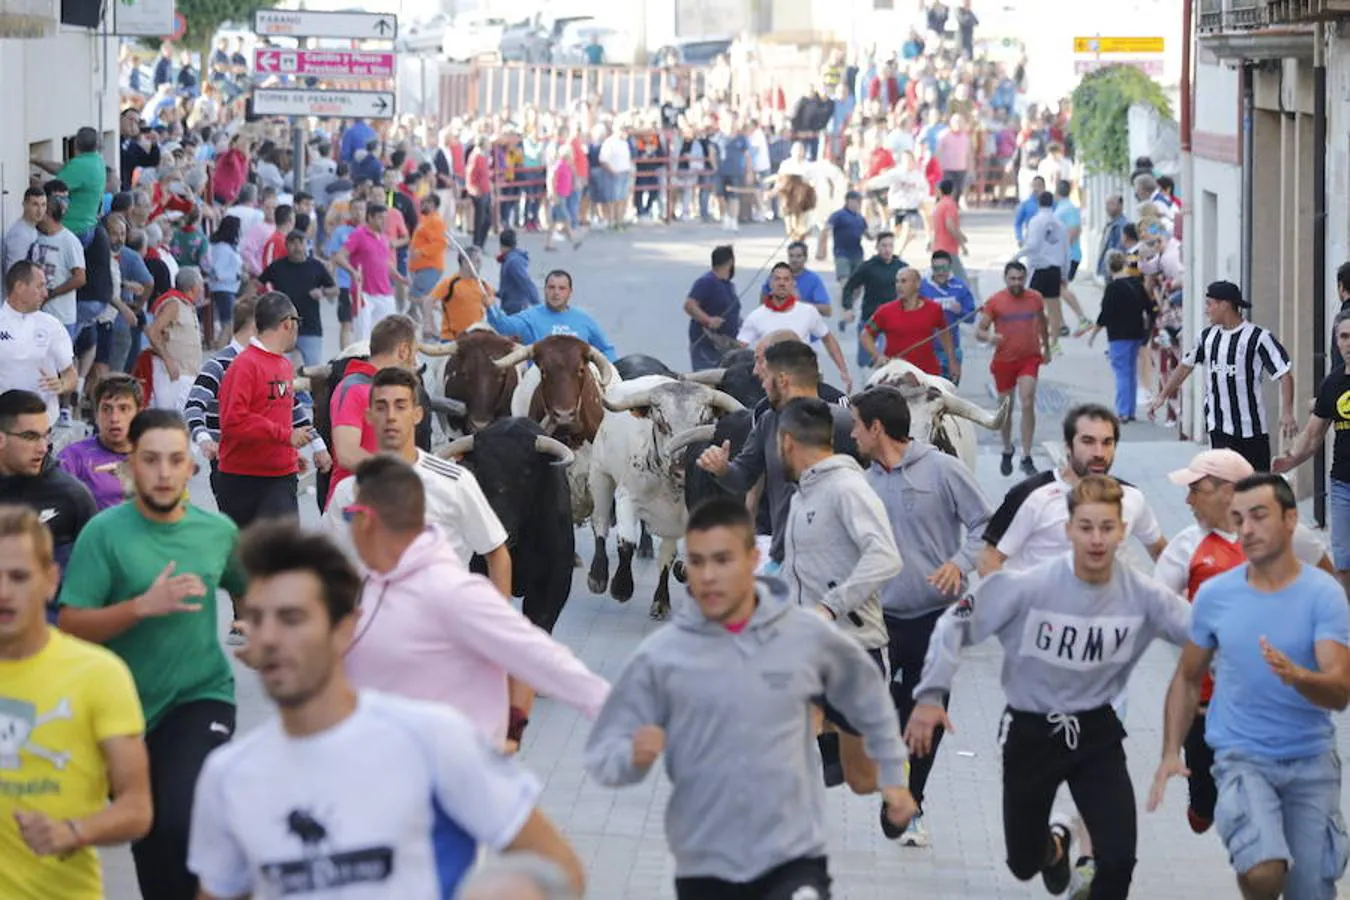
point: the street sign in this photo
(1117, 45)
(323, 104)
(1152, 67)
(301, 23)
(323, 63)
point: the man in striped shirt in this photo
(1235, 353)
(202, 410)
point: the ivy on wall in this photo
(1100, 122)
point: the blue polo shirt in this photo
(810, 288)
(847, 228)
(955, 289)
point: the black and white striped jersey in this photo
(1234, 360)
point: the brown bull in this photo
(472, 377)
(567, 400)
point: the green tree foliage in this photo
(1100, 123)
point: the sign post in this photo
(323, 104)
(303, 23)
(324, 63)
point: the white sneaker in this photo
(916, 835)
(63, 420)
(1080, 884)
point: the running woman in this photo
(280, 813)
(1194, 556)
(1280, 631)
(1072, 630)
(937, 514)
(746, 813)
(142, 581)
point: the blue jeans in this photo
(311, 348)
(1284, 809)
(864, 360)
(1124, 356)
(574, 207)
(1339, 506)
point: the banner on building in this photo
(142, 18)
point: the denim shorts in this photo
(1284, 809)
(423, 280)
(1339, 504)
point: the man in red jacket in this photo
(258, 445)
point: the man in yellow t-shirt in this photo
(462, 299)
(70, 735)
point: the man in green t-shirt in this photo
(86, 174)
(142, 580)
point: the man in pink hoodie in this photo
(431, 630)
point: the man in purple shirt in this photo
(94, 461)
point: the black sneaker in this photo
(888, 828)
(1005, 465)
(831, 764)
(1064, 331)
(1056, 875)
(1028, 466)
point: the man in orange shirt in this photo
(947, 233)
(426, 262)
(462, 298)
(1021, 342)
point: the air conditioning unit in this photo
(28, 18)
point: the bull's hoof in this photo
(621, 588)
(659, 611)
(681, 574)
(597, 585)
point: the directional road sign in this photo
(1117, 45)
(300, 23)
(323, 104)
(323, 63)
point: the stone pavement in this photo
(634, 283)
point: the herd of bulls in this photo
(557, 435)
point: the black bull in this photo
(528, 491)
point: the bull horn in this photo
(455, 409)
(689, 436)
(636, 401)
(300, 384)
(724, 402)
(552, 447)
(710, 377)
(447, 348)
(608, 374)
(977, 414)
(515, 357)
(458, 447)
(313, 371)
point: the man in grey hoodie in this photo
(937, 514)
(839, 553)
(727, 691)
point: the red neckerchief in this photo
(774, 305)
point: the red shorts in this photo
(1007, 371)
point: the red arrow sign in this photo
(324, 63)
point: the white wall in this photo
(52, 86)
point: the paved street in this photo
(635, 283)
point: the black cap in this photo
(1226, 290)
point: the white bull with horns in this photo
(936, 414)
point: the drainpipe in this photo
(1248, 169)
(1319, 254)
(1184, 430)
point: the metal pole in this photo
(298, 128)
(1319, 253)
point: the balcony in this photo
(1235, 15)
(1299, 12)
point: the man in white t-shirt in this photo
(616, 158)
(346, 793)
(61, 255)
(781, 311)
(454, 500)
(35, 349)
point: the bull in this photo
(638, 459)
(738, 379)
(521, 471)
(636, 365)
(472, 377)
(937, 415)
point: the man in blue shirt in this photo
(1027, 209)
(556, 316)
(357, 136)
(810, 287)
(1113, 232)
(731, 169)
(1279, 631)
(1068, 213)
(714, 311)
(848, 227)
(956, 300)
(516, 291)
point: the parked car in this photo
(533, 40)
(621, 47)
(471, 37)
(423, 37)
(694, 52)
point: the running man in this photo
(1021, 339)
(847, 227)
(86, 706)
(729, 837)
(910, 327)
(96, 461)
(930, 498)
(782, 309)
(368, 260)
(142, 581)
(1194, 556)
(1280, 631)
(281, 803)
(1072, 630)
(957, 302)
